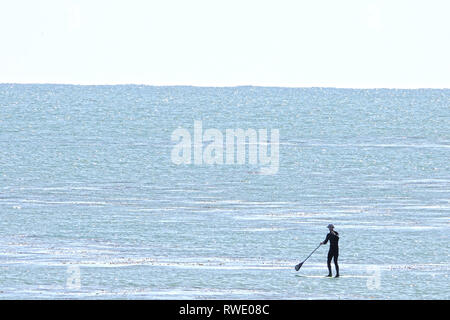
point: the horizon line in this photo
(230, 86)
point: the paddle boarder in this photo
(333, 253)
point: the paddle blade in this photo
(297, 267)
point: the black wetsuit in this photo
(333, 252)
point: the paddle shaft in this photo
(311, 254)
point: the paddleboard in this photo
(325, 277)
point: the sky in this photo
(327, 43)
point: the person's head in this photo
(330, 227)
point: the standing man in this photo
(333, 253)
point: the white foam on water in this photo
(142, 292)
(261, 229)
(390, 227)
(439, 207)
(101, 203)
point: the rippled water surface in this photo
(87, 187)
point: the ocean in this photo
(92, 205)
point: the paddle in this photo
(297, 267)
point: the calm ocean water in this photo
(91, 205)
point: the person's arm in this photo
(326, 239)
(335, 233)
